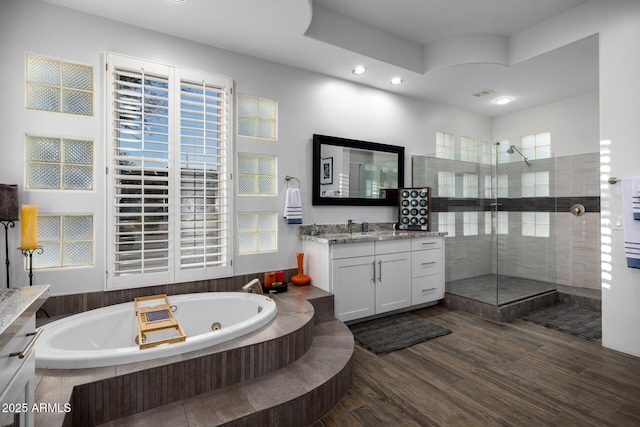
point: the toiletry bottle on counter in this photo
(365, 225)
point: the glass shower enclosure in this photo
(497, 205)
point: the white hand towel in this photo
(293, 206)
(630, 189)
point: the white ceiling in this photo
(444, 50)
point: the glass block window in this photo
(502, 187)
(447, 223)
(256, 174)
(256, 232)
(446, 184)
(537, 146)
(470, 185)
(486, 153)
(470, 223)
(503, 222)
(468, 148)
(58, 163)
(488, 181)
(535, 184)
(488, 222)
(257, 117)
(444, 145)
(66, 241)
(535, 224)
(64, 87)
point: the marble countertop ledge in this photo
(372, 236)
(17, 305)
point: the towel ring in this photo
(289, 178)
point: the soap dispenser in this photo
(365, 225)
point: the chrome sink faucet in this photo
(349, 224)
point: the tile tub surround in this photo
(62, 305)
(102, 394)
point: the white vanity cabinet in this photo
(379, 275)
(18, 307)
(370, 278)
(17, 379)
(427, 270)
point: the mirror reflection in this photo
(356, 172)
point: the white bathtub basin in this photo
(105, 336)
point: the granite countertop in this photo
(17, 305)
(336, 238)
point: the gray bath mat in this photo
(578, 321)
(395, 332)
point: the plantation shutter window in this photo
(168, 190)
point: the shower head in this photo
(513, 149)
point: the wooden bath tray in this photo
(156, 321)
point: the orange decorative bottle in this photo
(300, 279)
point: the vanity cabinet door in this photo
(393, 281)
(353, 287)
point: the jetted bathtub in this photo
(106, 336)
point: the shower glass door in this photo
(498, 213)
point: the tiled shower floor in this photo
(483, 288)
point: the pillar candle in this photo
(29, 227)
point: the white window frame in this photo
(537, 146)
(63, 241)
(256, 232)
(175, 199)
(447, 223)
(536, 224)
(63, 91)
(445, 146)
(256, 176)
(258, 119)
(63, 164)
(468, 149)
(470, 223)
(446, 184)
(470, 185)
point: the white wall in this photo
(574, 125)
(308, 103)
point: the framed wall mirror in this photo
(356, 173)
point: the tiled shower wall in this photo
(569, 256)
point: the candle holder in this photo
(28, 253)
(7, 226)
(8, 214)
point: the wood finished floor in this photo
(492, 374)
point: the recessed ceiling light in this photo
(503, 100)
(359, 70)
(177, 1)
(396, 81)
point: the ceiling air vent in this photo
(482, 92)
